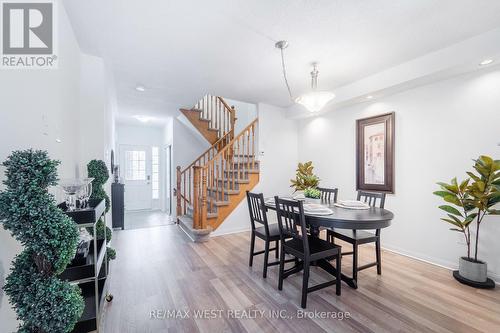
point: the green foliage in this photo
(312, 193)
(111, 253)
(98, 170)
(304, 177)
(475, 198)
(100, 230)
(43, 303)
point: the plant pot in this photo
(314, 201)
(473, 270)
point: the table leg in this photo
(324, 264)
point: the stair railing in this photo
(185, 178)
(215, 109)
(219, 176)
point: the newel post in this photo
(178, 192)
(204, 209)
(196, 196)
(233, 118)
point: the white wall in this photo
(245, 113)
(278, 161)
(187, 146)
(34, 102)
(439, 129)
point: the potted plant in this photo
(98, 170)
(471, 200)
(42, 301)
(313, 194)
(304, 177)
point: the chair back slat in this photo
(292, 221)
(257, 210)
(329, 194)
(371, 198)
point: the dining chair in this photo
(328, 194)
(262, 229)
(304, 247)
(359, 237)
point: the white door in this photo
(136, 161)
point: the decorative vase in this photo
(473, 270)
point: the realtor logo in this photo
(28, 34)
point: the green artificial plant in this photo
(98, 170)
(304, 177)
(312, 193)
(472, 199)
(42, 301)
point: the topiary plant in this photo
(42, 301)
(98, 170)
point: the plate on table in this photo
(339, 204)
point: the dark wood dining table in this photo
(343, 218)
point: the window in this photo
(135, 165)
(155, 163)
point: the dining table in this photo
(340, 218)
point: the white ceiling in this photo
(180, 50)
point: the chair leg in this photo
(338, 276)
(305, 282)
(277, 253)
(252, 246)
(266, 259)
(355, 262)
(379, 257)
(281, 270)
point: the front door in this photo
(136, 162)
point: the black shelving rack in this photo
(91, 275)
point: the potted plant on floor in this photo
(42, 301)
(475, 198)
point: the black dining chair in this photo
(359, 237)
(328, 194)
(304, 247)
(262, 229)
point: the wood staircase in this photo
(213, 185)
(212, 117)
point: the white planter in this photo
(472, 270)
(314, 201)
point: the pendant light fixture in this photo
(313, 101)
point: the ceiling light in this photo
(140, 88)
(143, 119)
(315, 100)
(369, 97)
(485, 62)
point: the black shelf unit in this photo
(89, 276)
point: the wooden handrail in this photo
(223, 172)
(227, 137)
(221, 117)
(235, 139)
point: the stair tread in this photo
(219, 189)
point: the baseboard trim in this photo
(230, 232)
(449, 266)
(184, 231)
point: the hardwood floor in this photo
(146, 219)
(159, 269)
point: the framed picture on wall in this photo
(375, 153)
